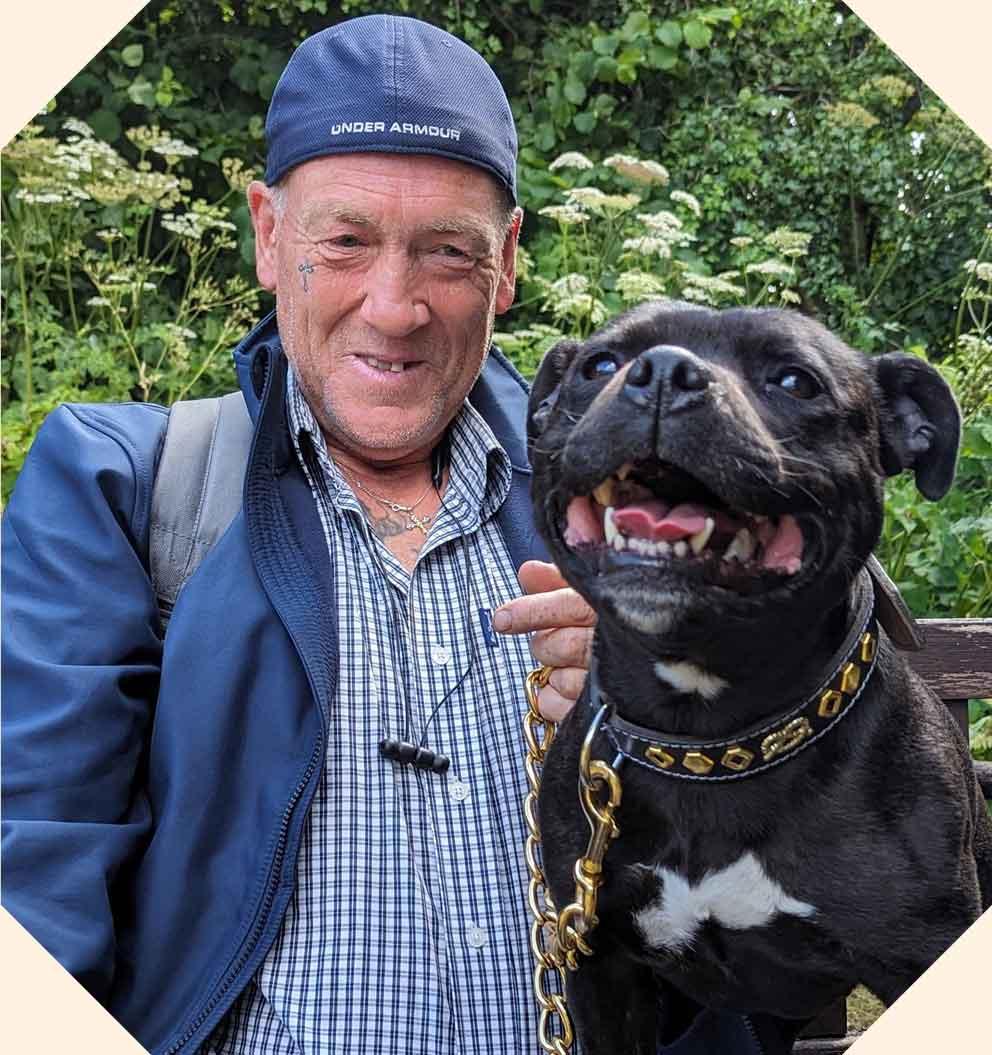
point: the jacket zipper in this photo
(759, 1047)
(256, 931)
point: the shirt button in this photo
(476, 936)
(440, 655)
(458, 789)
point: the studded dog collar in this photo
(774, 740)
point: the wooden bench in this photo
(956, 662)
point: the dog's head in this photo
(692, 465)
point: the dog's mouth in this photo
(657, 513)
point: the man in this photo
(214, 829)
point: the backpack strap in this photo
(198, 489)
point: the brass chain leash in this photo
(556, 938)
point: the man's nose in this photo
(393, 304)
(669, 377)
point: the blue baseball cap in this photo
(388, 84)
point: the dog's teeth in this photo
(699, 540)
(624, 471)
(619, 542)
(609, 528)
(664, 549)
(680, 548)
(603, 493)
(741, 547)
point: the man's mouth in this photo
(660, 513)
(385, 367)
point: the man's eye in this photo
(346, 241)
(453, 252)
(796, 382)
(599, 366)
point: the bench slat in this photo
(956, 661)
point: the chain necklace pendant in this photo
(413, 521)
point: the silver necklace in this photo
(412, 520)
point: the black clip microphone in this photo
(406, 754)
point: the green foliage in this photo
(116, 278)
(940, 554)
(980, 718)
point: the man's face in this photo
(388, 272)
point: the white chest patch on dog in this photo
(740, 896)
(687, 677)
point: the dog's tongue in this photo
(784, 548)
(655, 520)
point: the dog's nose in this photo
(670, 375)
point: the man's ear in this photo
(547, 384)
(920, 424)
(263, 220)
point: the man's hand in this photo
(563, 624)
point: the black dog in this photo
(799, 812)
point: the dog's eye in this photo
(600, 366)
(796, 383)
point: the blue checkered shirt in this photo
(408, 930)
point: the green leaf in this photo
(697, 34)
(575, 91)
(606, 70)
(662, 58)
(670, 34)
(141, 92)
(630, 56)
(637, 24)
(267, 85)
(105, 125)
(605, 45)
(584, 122)
(133, 55)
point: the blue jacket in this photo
(155, 794)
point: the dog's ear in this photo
(920, 424)
(547, 385)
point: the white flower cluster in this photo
(636, 286)
(982, 271)
(770, 269)
(569, 297)
(688, 200)
(710, 289)
(649, 245)
(599, 203)
(195, 223)
(566, 215)
(789, 243)
(638, 170)
(571, 159)
(152, 138)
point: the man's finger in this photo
(568, 681)
(542, 611)
(563, 646)
(552, 704)
(536, 576)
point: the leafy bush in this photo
(119, 288)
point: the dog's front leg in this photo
(614, 1003)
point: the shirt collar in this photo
(480, 472)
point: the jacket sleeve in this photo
(81, 654)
